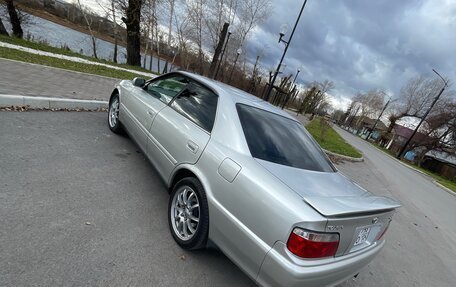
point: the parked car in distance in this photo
(249, 177)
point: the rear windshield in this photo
(280, 140)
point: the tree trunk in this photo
(132, 21)
(114, 28)
(145, 51)
(151, 56)
(94, 47)
(218, 50)
(14, 19)
(170, 26)
(2, 29)
(114, 57)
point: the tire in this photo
(113, 115)
(182, 212)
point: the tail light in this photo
(308, 244)
(380, 235)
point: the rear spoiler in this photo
(345, 206)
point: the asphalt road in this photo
(80, 206)
(421, 242)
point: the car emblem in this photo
(375, 220)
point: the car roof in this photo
(236, 95)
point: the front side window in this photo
(165, 89)
(198, 104)
(280, 140)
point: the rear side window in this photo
(280, 140)
(198, 105)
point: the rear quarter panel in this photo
(248, 215)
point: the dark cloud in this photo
(362, 45)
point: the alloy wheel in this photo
(185, 213)
(114, 112)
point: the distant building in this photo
(400, 135)
(367, 124)
(441, 162)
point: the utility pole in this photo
(424, 117)
(221, 56)
(375, 124)
(287, 44)
(218, 50)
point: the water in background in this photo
(57, 35)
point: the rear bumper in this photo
(281, 268)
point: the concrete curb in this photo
(51, 103)
(444, 188)
(344, 157)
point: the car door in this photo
(182, 129)
(147, 101)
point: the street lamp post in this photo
(297, 73)
(425, 115)
(287, 44)
(221, 56)
(238, 52)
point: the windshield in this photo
(280, 140)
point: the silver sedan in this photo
(249, 178)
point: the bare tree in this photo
(415, 97)
(215, 20)
(315, 97)
(111, 14)
(370, 104)
(196, 12)
(114, 30)
(182, 30)
(89, 22)
(439, 130)
(252, 13)
(148, 22)
(170, 21)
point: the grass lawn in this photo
(329, 139)
(14, 54)
(62, 51)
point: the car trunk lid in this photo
(330, 193)
(356, 214)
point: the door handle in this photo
(193, 147)
(151, 113)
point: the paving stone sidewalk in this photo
(26, 79)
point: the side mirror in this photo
(138, 82)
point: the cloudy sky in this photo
(362, 45)
(358, 44)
